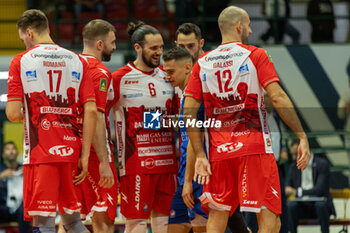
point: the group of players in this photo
(64, 100)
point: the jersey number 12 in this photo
(225, 75)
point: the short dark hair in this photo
(96, 28)
(187, 29)
(35, 19)
(295, 141)
(176, 53)
(10, 143)
(138, 31)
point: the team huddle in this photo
(64, 100)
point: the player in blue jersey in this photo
(185, 211)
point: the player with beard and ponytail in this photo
(99, 192)
(146, 151)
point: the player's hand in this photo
(187, 194)
(7, 173)
(303, 154)
(106, 175)
(83, 166)
(202, 170)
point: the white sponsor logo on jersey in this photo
(155, 150)
(230, 109)
(148, 163)
(45, 124)
(247, 202)
(69, 138)
(229, 147)
(61, 150)
(137, 191)
(164, 162)
(56, 110)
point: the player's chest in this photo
(146, 90)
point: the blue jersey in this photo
(185, 139)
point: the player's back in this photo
(232, 82)
(51, 77)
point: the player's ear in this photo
(201, 43)
(99, 45)
(188, 67)
(176, 43)
(238, 27)
(137, 47)
(29, 33)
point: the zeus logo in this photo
(125, 198)
(110, 199)
(274, 192)
(103, 71)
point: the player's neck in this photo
(184, 84)
(11, 165)
(92, 52)
(201, 53)
(43, 39)
(231, 38)
(139, 64)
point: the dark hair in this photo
(176, 53)
(295, 141)
(10, 143)
(138, 31)
(97, 28)
(187, 29)
(35, 19)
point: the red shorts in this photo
(142, 193)
(94, 198)
(251, 181)
(47, 185)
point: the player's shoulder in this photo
(97, 66)
(205, 54)
(121, 72)
(70, 54)
(255, 51)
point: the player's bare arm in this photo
(99, 142)
(189, 174)
(89, 126)
(202, 166)
(14, 111)
(285, 109)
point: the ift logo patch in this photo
(151, 120)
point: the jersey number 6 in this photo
(152, 91)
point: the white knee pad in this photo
(135, 225)
(199, 223)
(159, 224)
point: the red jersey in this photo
(101, 79)
(143, 150)
(231, 81)
(50, 80)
